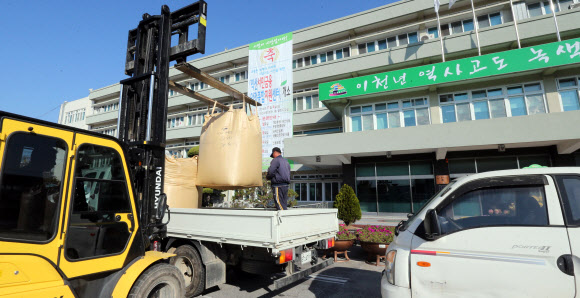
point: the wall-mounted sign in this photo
(536, 57)
(442, 179)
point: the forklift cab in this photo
(65, 197)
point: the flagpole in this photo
(440, 35)
(555, 20)
(476, 23)
(515, 23)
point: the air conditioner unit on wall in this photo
(427, 37)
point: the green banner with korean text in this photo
(530, 58)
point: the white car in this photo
(513, 233)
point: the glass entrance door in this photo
(395, 187)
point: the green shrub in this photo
(193, 151)
(207, 190)
(292, 202)
(348, 205)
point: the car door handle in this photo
(566, 264)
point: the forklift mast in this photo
(143, 103)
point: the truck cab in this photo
(512, 233)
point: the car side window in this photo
(495, 206)
(569, 188)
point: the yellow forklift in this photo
(81, 213)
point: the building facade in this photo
(74, 113)
(392, 146)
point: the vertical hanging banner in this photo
(270, 83)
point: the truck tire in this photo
(161, 280)
(190, 266)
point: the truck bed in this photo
(276, 230)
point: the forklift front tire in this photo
(161, 280)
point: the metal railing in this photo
(315, 205)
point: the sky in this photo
(55, 51)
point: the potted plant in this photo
(343, 241)
(348, 205)
(375, 240)
(344, 238)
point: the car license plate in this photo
(306, 257)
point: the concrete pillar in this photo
(552, 96)
(348, 175)
(441, 167)
(562, 160)
(434, 107)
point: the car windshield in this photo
(408, 222)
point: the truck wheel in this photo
(190, 266)
(160, 281)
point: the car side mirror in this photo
(161, 207)
(432, 225)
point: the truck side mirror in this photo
(161, 207)
(432, 225)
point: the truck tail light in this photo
(286, 256)
(326, 243)
(329, 242)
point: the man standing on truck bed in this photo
(279, 174)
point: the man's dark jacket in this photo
(279, 171)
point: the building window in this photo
(395, 186)
(392, 114)
(195, 119)
(74, 116)
(390, 42)
(569, 91)
(240, 76)
(518, 100)
(462, 26)
(321, 57)
(225, 79)
(543, 8)
(318, 131)
(457, 27)
(106, 108)
(466, 166)
(316, 188)
(306, 102)
(433, 31)
(175, 122)
(196, 86)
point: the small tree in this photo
(193, 151)
(292, 195)
(260, 197)
(348, 205)
(211, 195)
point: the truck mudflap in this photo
(282, 282)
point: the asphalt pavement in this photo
(354, 278)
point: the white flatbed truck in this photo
(258, 241)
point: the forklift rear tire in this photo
(189, 264)
(161, 280)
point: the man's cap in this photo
(275, 149)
